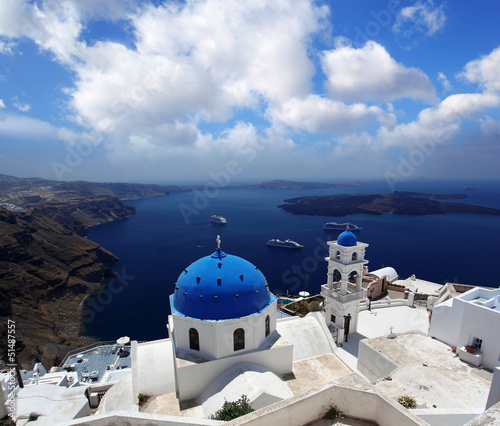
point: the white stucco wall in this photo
(309, 335)
(340, 310)
(193, 378)
(372, 364)
(446, 321)
(310, 406)
(216, 337)
(458, 321)
(155, 368)
(494, 395)
(447, 417)
(261, 386)
(126, 418)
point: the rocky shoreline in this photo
(47, 268)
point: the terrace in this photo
(93, 363)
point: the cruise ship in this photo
(341, 226)
(286, 244)
(218, 219)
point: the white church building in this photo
(343, 290)
(223, 313)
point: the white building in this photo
(343, 290)
(473, 319)
(50, 398)
(223, 314)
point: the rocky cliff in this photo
(48, 267)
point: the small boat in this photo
(218, 219)
(275, 242)
(341, 226)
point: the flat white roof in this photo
(488, 299)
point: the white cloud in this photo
(435, 126)
(14, 17)
(484, 71)
(316, 114)
(13, 125)
(109, 10)
(490, 129)
(7, 47)
(195, 62)
(55, 29)
(2, 105)
(442, 122)
(423, 16)
(23, 107)
(444, 81)
(371, 74)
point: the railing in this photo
(343, 298)
(85, 348)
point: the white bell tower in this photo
(343, 289)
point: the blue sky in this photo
(180, 91)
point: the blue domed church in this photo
(223, 314)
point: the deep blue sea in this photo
(157, 243)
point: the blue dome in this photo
(347, 239)
(219, 287)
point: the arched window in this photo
(337, 255)
(336, 275)
(268, 328)
(194, 339)
(353, 276)
(355, 256)
(239, 339)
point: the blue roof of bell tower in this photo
(220, 286)
(347, 239)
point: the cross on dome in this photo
(218, 241)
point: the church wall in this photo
(194, 378)
(446, 321)
(216, 337)
(340, 310)
(483, 323)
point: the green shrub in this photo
(143, 399)
(315, 306)
(407, 401)
(333, 413)
(232, 410)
